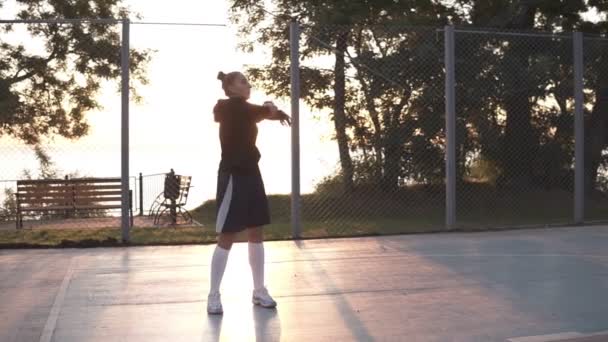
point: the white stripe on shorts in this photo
(223, 212)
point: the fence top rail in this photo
(480, 30)
(162, 23)
(562, 35)
(63, 21)
(155, 174)
(517, 34)
(104, 21)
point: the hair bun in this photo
(221, 76)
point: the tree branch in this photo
(17, 79)
(382, 51)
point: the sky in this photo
(173, 126)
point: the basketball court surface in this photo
(519, 286)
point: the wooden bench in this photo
(69, 196)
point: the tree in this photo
(47, 94)
(338, 28)
(386, 84)
(523, 88)
(398, 73)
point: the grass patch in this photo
(103, 237)
(363, 213)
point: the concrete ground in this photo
(494, 286)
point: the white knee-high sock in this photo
(218, 265)
(256, 261)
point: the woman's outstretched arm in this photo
(269, 112)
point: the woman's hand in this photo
(284, 118)
(272, 107)
(276, 114)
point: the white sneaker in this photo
(214, 304)
(262, 298)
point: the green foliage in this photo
(8, 208)
(483, 170)
(48, 93)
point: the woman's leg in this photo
(256, 260)
(255, 236)
(225, 240)
(219, 260)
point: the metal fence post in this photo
(141, 194)
(450, 128)
(294, 38)
(124, 61)
(579, 130)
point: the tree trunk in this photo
(392, 156)
(377, 134)
(519, 147)
(339, 112)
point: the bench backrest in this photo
(47, 192)
(91, 191)
(184, 187)
(77, 192)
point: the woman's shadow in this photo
(266, 322)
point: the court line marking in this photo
(51, 322)
(570, 335)
(546, 338)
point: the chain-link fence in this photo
(514, 128)
(379, 108)
(596, 128)
(379, 99)
(374, 126)
(60, 120)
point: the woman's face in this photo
(240, 87)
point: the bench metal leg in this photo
(185, 214)
(158, 215)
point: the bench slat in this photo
(78, 207)
(67, 200)
(43, 199)
(82, 187)
(54, 191)
(49, 208)
(41, 181)
(96, 193)
(42, 194)
(96, 200)
(42, 188)
(38, 182)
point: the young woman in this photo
(241, 198)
